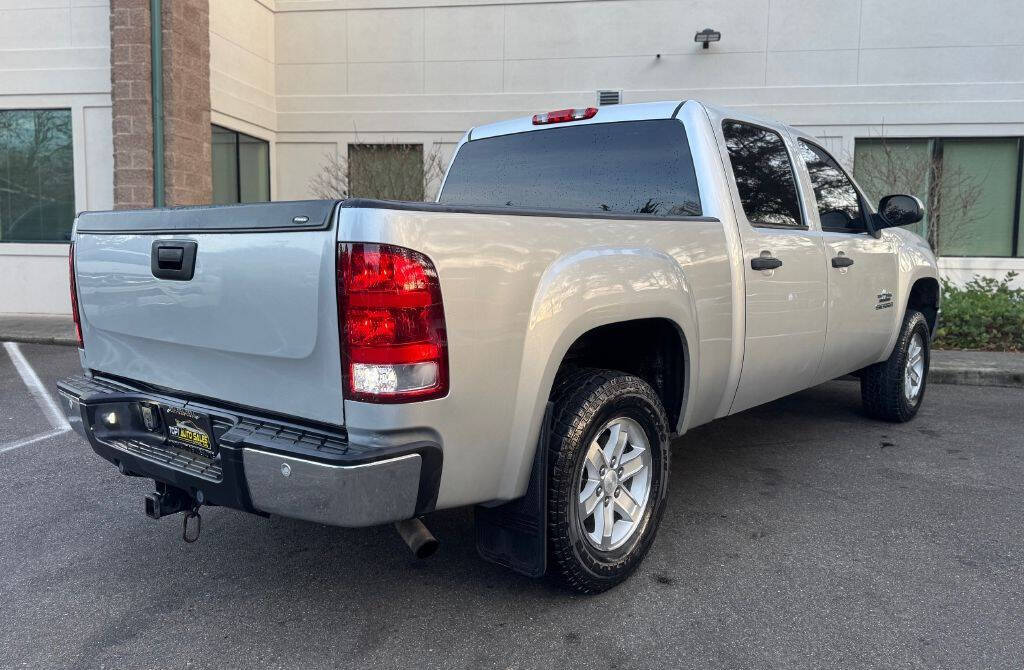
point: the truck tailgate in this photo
(255, 325)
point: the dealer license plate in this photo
(190, 430)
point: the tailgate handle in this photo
(174, 259)
(169, 258)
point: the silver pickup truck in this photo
(589, 284)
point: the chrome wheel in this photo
(913, 373)
(614, 484)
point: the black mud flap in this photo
(514, 534)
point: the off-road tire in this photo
(584, 401)
(882, 385)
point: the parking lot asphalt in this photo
(798, 534)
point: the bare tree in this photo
(952, 196)
(389, 171)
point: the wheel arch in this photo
(662, 360)
(924, 296)
(589, 290)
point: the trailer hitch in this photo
(167, 500)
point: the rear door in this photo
(246, 313)
(784, 265)
(862, 269)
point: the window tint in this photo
(838, 204)
(37, 181)
(764, 174)
(630, 167)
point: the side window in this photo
(764, 175)
(838, 204)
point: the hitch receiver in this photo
(166, 501)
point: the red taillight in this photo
(391, 322)
(563, 115)
(74, 295)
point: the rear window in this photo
(629, 167)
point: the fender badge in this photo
(300, 219)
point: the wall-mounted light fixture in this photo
(706, 36)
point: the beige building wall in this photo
(427, 70)
(56, 54)
(243, 88)
(423, 70)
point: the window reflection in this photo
(241, 167)
(37, 183)
(633, 167)
(764, 174)
(838, 205)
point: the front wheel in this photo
(894, 389)
(609, 460)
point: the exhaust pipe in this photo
(421, 541)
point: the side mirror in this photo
(899, 210)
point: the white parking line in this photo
(58, 422)
(32, 440)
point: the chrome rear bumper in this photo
(356, 495)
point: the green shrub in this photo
(983, 314)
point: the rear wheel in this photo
(894, 389)
(609, 462)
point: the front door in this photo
(784, 265)
(862, 269)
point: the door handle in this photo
(841, 261)
(765, 263)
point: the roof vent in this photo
(609, 98)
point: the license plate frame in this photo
(190, 430)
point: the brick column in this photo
(187, 152)
(186, 110)
(132, 102)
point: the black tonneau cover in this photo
(414, 206)
(286, 216)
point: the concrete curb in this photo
(38, 339)
(38, 329)
(980, 377)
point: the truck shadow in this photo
(742, 461)
(744, 491)
(730, 480)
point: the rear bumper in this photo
(340, 495)
(265, 465)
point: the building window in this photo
(241, 167)
(37, 181)
(386, 171)
(971, 188)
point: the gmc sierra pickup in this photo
(589, 284)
